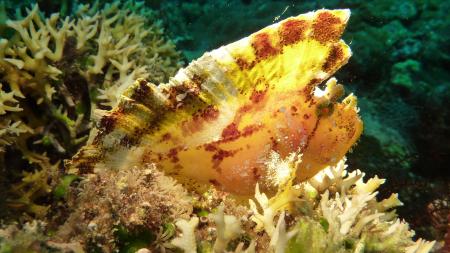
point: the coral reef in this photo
(55, 72)
(399, 70)
(241, 151)
(335, 211)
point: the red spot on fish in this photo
(326, 27)
(211, 147)
(294, 111)
(142, 92)
(198, 80)
(263, 46)
(256, 173)
(173, 155)
(230, 132)
(244, 109)
(257, 95)
(274, 143)
(192, 126)
(292, 31)
(325, 111)
(308, 90)
(249, 130)
(220, 155)
(335, 56)
(214, 182)
(210, 113)
(108, 122)
(166, 137)
(243, 64)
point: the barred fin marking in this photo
(218, 119)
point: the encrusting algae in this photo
(219, 118)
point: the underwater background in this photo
(399, 71)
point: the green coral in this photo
(62, 189)
(403, 74)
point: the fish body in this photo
(217, 120)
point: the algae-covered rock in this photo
(386, 10)
(403, 74)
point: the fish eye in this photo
(324, 109)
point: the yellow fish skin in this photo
(219, 118)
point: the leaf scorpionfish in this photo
(217, 120)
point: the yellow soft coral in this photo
(127, 47)
(7, 102)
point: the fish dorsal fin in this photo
(217, 119)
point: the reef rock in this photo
(219, 119)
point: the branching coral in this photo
(335, 211)
(55, 71)
(128, 46)
(353, 216)
(228, 228)
(33, 185)
(187, 241)
(280, 238)
(8, 102)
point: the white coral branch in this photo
(228, 227)
(263, 220)
(186, 240)
(280, 238)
